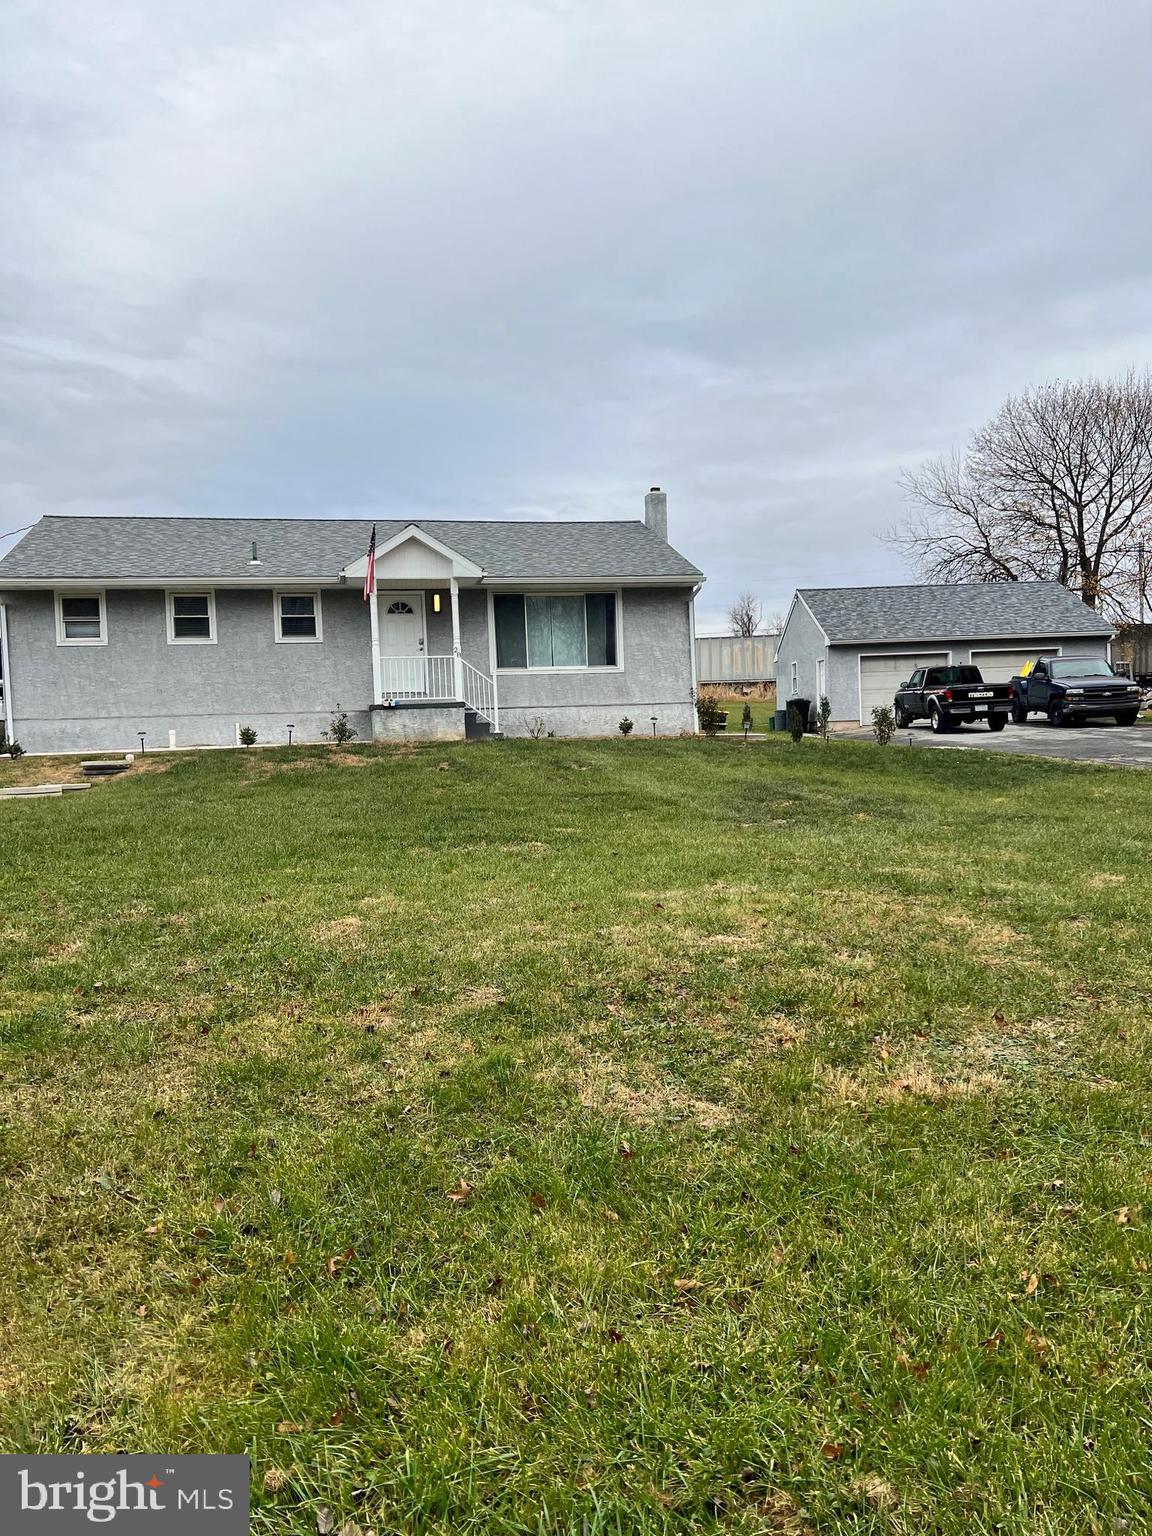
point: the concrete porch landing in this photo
(429, 720)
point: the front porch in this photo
(423, 685)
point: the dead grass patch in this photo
(636, 1094)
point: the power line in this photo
(12, 532)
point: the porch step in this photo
(476, 728)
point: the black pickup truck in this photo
(1070, 689)
(952, 696)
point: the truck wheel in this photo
(1019, 713)
(903, 718)
(997, 722)
(938, 720)
(1127, 717)
(1057, 714)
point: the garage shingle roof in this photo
(997, 610)
(307, 549)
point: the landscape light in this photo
(141, 735)
(291, 728)
(653, 719)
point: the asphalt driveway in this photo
(1098, 742)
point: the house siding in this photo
(654, 678)
(802, 642)
(99, 698)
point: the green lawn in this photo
(762, 712)
(619, 1137)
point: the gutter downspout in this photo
(692, 648)
(9, 730)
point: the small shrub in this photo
(13, 749)
(883, 725)
(339, 732)
(797, 723)
(710, 713)
(247, 736)
(625, 727)
(824, 716)
(746, 718)
(538, 729)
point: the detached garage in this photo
(858, 644)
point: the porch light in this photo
(435, 602)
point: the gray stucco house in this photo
(858, 644)
(186, 628)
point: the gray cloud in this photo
(527, 259)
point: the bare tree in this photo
(774, 621)
(1056, 487)
(745, 615)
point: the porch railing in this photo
(434, 677)
(480, 693)
(417, 677)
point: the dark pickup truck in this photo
(1070, 689)
(950, 696)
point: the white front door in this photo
(402, 643)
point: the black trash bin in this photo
(803, 708)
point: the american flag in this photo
(370, 573)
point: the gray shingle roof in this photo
(997, 610)
(306, 549)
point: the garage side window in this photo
(81, 618)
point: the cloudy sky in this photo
(528, 257)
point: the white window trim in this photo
(61, 637)
(173, 638)
(795, 680)
(314, 594)
(526, 592)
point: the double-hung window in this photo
(191, 618)
(81, 618)
(298, 616)
(555, 630)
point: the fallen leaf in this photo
(275, 1196)
(462, 1192)
(286, 1427)
(338, 1260)
(1037, 1342)
(685, 1285)
(1123, 1217)
(625, 1150)
(325, 1524)
(831, 1452)
(610, 1215)
(614, 1336)
(152, 1231)
(218, 1204)
(1031, 1282)
(994, 1340)
(538, 1202)
(275, 1481)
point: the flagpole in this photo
(374, 622)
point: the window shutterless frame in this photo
(81, 618)
(293, 608)
(191, 617)
(618, 629)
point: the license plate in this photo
(980, 709)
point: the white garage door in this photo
(880, 676)
(1002, 666)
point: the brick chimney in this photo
(656, 512)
